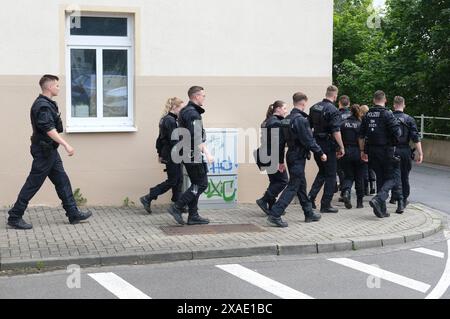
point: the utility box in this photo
(222, 191)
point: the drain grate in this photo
(210, 229)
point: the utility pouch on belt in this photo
(392, 155)
(413, 154)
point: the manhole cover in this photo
(210, 229)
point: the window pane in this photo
(115, 83)
(84, 82)
(97, 26)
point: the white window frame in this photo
(100, 43)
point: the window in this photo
(99, 64)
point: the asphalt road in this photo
(430, 185)
(393, 272)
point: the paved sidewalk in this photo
(130, 235)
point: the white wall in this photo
(187, 37)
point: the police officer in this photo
(369, 174)
(164, 146)
(344, 111)
(46, 123)
(278, 179)
(325, 121)
(298, 136)
(190, 118)
(409, 133)
(382, 131)
(351, 163)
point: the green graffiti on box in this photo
(223, 188)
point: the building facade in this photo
(119, 61)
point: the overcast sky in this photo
(378, 3)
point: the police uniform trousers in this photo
(353, 169)
(174, 182)
(197, 173)
(369, 176)
(278, 182)
(404, 151)
(387, 170)
(326, 174)
(44, 166)
(296, 186)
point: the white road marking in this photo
(263, 282)
(118, 286)
(429, 252)
(444, 282)
(382, 274)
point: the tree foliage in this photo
(409, 55)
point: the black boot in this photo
(264, 202)
(392, 200)
(263, 205)
(19, 224)
(312, 216)
(196, 219)
(384, 210)
(347, 199)
(176, 214)
(78, 217)
(366, 189)
(329, 209)
(359, 203)
(377, 207)
(146, 202)
(400, 207)
(372, 188)
(276, 222)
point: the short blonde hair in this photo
(171, 104)
(364, 109)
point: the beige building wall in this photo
(245, 53)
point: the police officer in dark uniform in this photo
(382, 131)
(351, 163)
(276, 170)
(369, 174)
(164, 146)
(46, 123)
(298, 136)
(409, 133)
(344, 111)
(325, 121)
(190, 118)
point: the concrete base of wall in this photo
(436, 151)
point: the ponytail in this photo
(273, 107)
(357, 112)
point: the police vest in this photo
(350, 131)
(318, 120)
(404, 126)
(377, 133)
(289, 132)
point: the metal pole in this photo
(422, 121)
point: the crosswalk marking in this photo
(382, 274)
(119, 287)
(263, 282)
(444, 283)
(429, 252)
